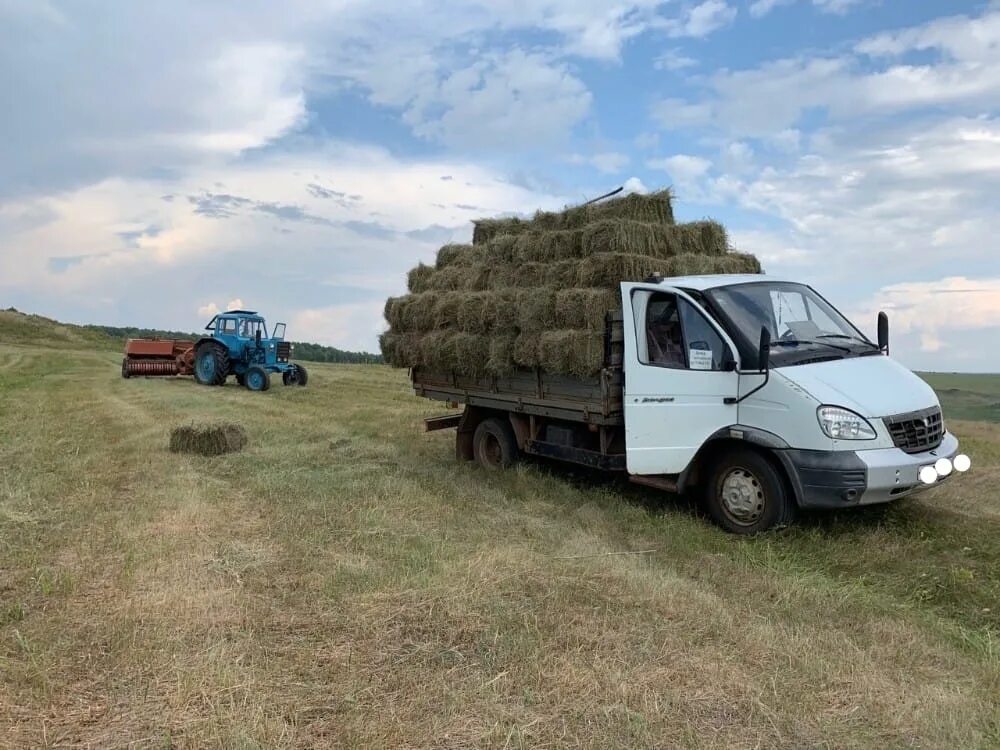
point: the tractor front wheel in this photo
(297, 375)
(257, 379)
(211, 364)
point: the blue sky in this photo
(159, 161)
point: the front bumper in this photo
(839, 479)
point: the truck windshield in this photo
(804, 327)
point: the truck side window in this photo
(705, 348)
(664, 340)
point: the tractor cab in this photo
(239, 345)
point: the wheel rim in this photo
(742, 497)
(206, 366)
(491, 451)
(255, 380)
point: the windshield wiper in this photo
(796, 342)
(849, 338)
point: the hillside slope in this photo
(344, 582)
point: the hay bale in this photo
(585, 308)
(484, 230)
(418, 278)
(501, 310)
(208, 439)
(401, 349)
(653, 208)
(525, 351)
(571, 352)
(500, 249)
(536, 309)
(460, 255)
(460, 278)
(550, 246)
(454, 351)
(656, 240)
(501, 359)
(609, 269)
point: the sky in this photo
(160, 161)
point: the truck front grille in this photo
(284, 351)
(916, 431)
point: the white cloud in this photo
(761, 8)
(208, 311)
(235, 304)
(674, 60)
(684, 169)
(354, 327)
(608, 162)
(935, 311)
(483, 105)
(702, 19)
(634, 185)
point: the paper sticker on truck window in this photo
(700, 359)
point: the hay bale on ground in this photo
(208, 439)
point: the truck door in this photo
(680, 370)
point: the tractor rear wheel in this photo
(257, 379)
(211, 364)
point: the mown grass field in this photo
(345, 583)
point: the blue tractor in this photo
(239, 345)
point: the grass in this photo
(344, 582)
(967, 396)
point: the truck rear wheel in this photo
(746, 494)
(494, 445)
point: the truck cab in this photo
(759, 387)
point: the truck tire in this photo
(746, 494)
(211, 364)
(494, 445)
(258, 379)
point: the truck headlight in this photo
(843, 424)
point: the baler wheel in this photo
(258, 379)
(211, 364)
(125, 368)
(301, 376)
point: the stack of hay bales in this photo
(535, 293)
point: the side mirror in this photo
(883, 332)
(764, 349)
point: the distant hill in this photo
(23, 328)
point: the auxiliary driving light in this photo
(928, 475)
(943, 467)
(962, 462)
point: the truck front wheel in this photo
(746, 494)
(493, 444)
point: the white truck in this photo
(754, 390)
